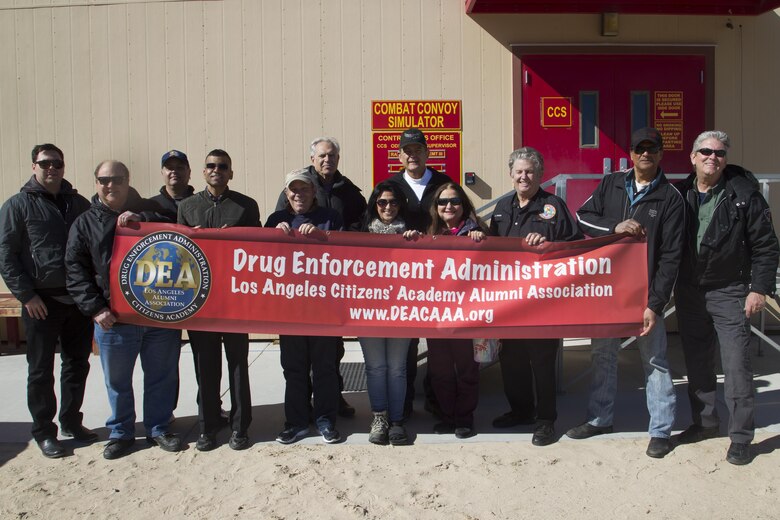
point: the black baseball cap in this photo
(647, 134)
(174, 153)
(413, 136)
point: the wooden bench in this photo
(11, 311)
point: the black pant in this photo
(206, 347)
(454, 379)
(75, 333)
(315, 355)
(528, 368)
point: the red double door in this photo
(580, 111)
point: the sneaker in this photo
(330, 435)
(586, 430)
(345, 409)
(397, 434)
(464, 432)
(206, 442)
(544, 434)
(697, 433)
(116, 448)
(510, 419)
(292, 434)
(379, 429)
(238, 441)
(167, 441)
(79, 433)
(738, 454)
(658, 447)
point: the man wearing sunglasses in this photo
(88, 261)
(729, 267)
(34, 226)
(220, 207)
(639, 202)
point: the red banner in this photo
(361, 284)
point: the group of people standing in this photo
(710, 239)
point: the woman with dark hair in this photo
(385, 358)
(451, 366)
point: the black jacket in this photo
(33, 232)
(170, 205)
(661, 212)
(88, 254)
(739, 245)
(344, 197)
(545, 214)
(418, 217)
(232, 209)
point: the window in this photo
(589, 119)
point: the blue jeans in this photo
(159, 349)
(661, 401)
(386, 374)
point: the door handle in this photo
(607, 166)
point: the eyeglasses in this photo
(639, 150)
(116, 180)
(222, 167)
(706, 152)
(382, 203)
(46, 164)
(455, 201)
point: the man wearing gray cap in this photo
(639, 202)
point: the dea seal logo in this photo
(165, 277)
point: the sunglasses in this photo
(221, 167)
(455, 201)
(117, 180)
(706, 152)
(639, 150)
(46, 164)
(382, 203)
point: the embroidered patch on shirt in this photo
(549, 212)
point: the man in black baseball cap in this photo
(639, 202)
(175, 171)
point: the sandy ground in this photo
(595, 478)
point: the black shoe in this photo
(346, 409)
(443, 428)
(544, 434)
(167, 441)
(739, 454)
(79, 433)
(238, 441)
(658, 447)
(510, 419)
(51, 448)
(206, 442)
(464, 432)
(698, 433)
(586, 430)
(116, 448)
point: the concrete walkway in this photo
(268, 395)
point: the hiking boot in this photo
(398, 435)
(379, 433)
